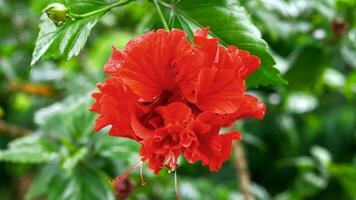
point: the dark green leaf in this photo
(300, 75)
(229, 22)
(346, 174)
(304, 163)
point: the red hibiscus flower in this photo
(173, 97)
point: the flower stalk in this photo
(94, 12)
(243, 175)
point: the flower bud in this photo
(339, 27)
(57, 12)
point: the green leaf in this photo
(350, 86)
(70, 161)
(40, 184)
(299, 74)
(230, 23)
(346, 175)
(116, 148)
(63, 186)
(81, 185)
(322, 155)
(68, 120)
(255, 141)
(309, 184)
(303, 163)
(84, 6)
(26, 156)
(64, 41)
(29, 149)
(94, 186)
(348, 52)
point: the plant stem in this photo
(104, 9)
(12, 130)
(161, 15)
(242, 171)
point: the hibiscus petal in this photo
(100, 123)
(114, 103)
(226, 141)
(247, 63)
(140, 130)
(217, 91)
(187, 67)
(163, 147)
(115, 62)
(175, 113)
(147, 69)
(250, 107)
(208, 45)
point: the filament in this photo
(176, 185)
(141, 175)
(125, 174)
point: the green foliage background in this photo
(305, 148)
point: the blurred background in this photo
(305, 148)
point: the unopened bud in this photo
(57, 12)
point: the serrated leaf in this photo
(70, 161)
(115, 148)
(29, 149)
(230, 23)
(26, 156)
(61, 187)
(64, 41)
(33, 141)
(67, 120)
(81, 185)
(95, 186)
(40, 184)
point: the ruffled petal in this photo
(246, 63)
(210, 147)
(147, 69)
(209, 46)
(250, 107)
(163, 148)
(175, 113)
(187, 67)
(114, 103)
(115, 62)
(217, 91)
(226, 140)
